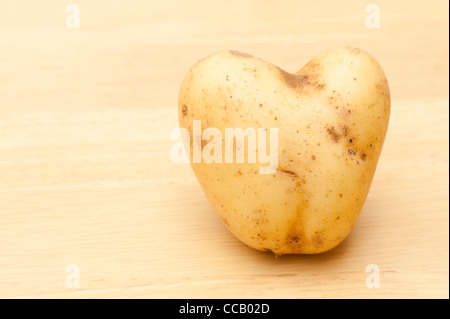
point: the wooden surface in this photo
(85, 173)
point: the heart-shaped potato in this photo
(331, 119)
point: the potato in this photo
(331, 119)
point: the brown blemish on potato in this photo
(335, 136)
(295, 238)
(261, 237)
(259, 222)
(239, 53)
(286, 172)
(296, 241)
(364, 157)
(344, 130)
(300, 80)
(317, 240)
(351, 151)
(313, 157)
(293, 80)
(184, 110)
(344, 113)
(298, 184)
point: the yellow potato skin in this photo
(332, 117)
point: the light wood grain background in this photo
(85, 174)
